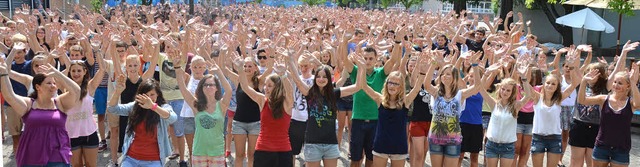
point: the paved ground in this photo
(9, 161)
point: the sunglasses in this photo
(262, 57)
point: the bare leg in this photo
(492, 162)
(181, 143)
(519, 144)
(101, 126)
(450, 162)
(342, 116)
(577, 156)
(504, 162)
(189, 138)
(313, 164)
(436, 160)
(474, 159)
(368, 163)
(538, 159)
(525, 150)
(241, 141)
(565, 141)
(587, 157)
(90, 156)
(397, 163)
(379, 161)
(551, 157)
(115, 132)
(252, 149)
(76, 159)
(228, 137)
(597, 163)
(330, 162)
(419, 151)
(174, 139)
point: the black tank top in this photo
(248, 110)
(129, 93)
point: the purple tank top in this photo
(44, 139)
(615, 127)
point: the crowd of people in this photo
(283, 82)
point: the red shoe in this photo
(227, 153)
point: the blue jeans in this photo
(178, 126)
(611, 154)
(446, 150)
(130, 162)
(362, 134)
(499, 150)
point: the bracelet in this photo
(4, 75)
(423, 73)
(398, 42)
(177, 67)
(155, 106)
(474, 64)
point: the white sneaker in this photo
(111, 164)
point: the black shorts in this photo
(86, 142)
(296, 136)
(272, 159)
(583, 134)
(471, 138)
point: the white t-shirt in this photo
(299, 112)
(571, 100)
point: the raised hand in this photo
(591, 75)
(144, 101)
(629, 46)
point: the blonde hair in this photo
(18, 38)
(386, 97)
(512, 97)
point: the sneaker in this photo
(111, 164)
(183, 164)
(102, 146)
(227, 153)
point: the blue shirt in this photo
(18, 88)
(472, 113)
(163, 136)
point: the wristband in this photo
(423, 73)
(177, 67)
(398, 42)
(474, 64)
(155, 106)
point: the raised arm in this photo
(634, 89)
(362, 82)
(408, 99)
(470, 91)
(69, 98)
(17, 102)
(97, 78)
(244, 84)
(621, 64)
(582, 92)
(226, 97)
(189, 98)
(303, 87)
(575, 80)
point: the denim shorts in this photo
(241, 128)
(525, 129)
(317, 152)
(128, 161)
(485, 121)
(189, 125)
(178, 126)
(391, 156)
(499, 150)
(549, 144)
(611, 154)
(446, 150)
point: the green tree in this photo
(96, 5)
(551, 12)
(386, 3)
(313, 2)
(257, 1)
(623, 7)
(408, 3)
(362, 2)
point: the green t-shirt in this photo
(168, 82)
(364, 108)
(209, 140)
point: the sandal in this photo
(174, 156)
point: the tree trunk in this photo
(505, 7)
(552, 14)
(459, 5)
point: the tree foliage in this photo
(623, 7)
(96, 5)
(550, 9)
(386, 3)
(408, 3)
(362, 2)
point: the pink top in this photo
(528, 107)
(80, 121)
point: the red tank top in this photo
(274, 133)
